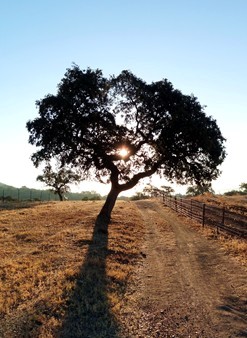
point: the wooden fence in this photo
(218, 217)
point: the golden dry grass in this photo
(236, 247)
(59, 279)
(236, 203)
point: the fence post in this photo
(175, 200)
(223, 220)
(203, 214)
(223, 215)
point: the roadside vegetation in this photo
(241, 191)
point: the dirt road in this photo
(187, 286)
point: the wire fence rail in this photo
(17, 195)
(34, 195)
(219, 218)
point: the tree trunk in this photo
(105, 213)
(60, 196)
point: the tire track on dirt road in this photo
(188, 286)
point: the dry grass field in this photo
(236, 203)
(60, 278)
(54, 270)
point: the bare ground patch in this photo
(190, 286)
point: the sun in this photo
(123, 152)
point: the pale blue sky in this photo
(200, 46)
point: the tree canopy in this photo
(59, 179)
(243, 187)
(121, 129)
(199, 190)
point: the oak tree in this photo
(243, 188)
(121, 129)
(58, 180)
(199, 190)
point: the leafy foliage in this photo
(167, 190)
(243, 188)
(122, 129)
(90, 196)
(139, 196)
(232, 193)
(152, 191)
(199, 190)
(58, 180)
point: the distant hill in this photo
(10, 193)
(5, 186)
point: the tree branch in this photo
(136, 178)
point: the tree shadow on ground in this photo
(89, 313)
(236, 308)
